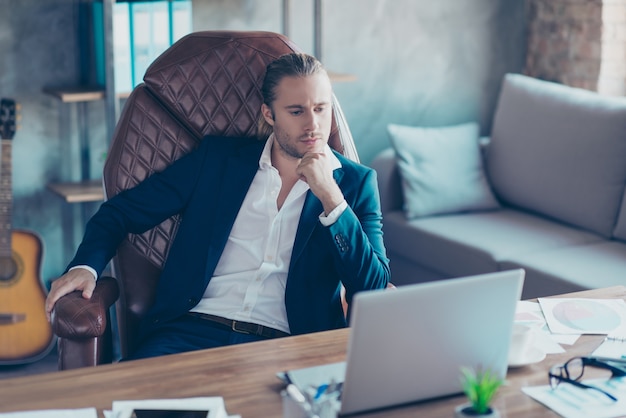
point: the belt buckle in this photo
(233, 326)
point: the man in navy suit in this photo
(270, 229)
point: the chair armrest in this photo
(74, 317)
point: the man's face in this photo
(301, 115)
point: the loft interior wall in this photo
(417, 62)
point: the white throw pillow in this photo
(441, 169)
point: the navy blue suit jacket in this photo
(207, 187)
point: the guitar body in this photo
(25, 333)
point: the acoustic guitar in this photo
(25, 334)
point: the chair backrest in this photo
(206, 83)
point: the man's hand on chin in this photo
(315, 169)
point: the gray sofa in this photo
(556, 161)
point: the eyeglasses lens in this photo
(574, 368)
(555, 373)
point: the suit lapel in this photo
(309, 219)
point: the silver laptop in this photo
(410, 343)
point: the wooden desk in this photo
(244, 376)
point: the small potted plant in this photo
(479, 386)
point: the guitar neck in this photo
(6, 198)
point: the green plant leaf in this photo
(480, 386)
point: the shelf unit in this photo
(85, 190)
(98, 16)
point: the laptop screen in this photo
(409, 344)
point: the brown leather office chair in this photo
(206, 83)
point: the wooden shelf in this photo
(76, 93)
(79, 192)
(341, 77)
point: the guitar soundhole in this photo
(8, 269)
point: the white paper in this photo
(109, 414)
(215, 406)
(529, 313)
(612, 349)
(53, 413)
(583, 316)
(573, 402)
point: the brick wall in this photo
(580, 43)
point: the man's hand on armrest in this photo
(75, 279)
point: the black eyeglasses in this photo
(573, 370)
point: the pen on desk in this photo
(295, 394)
(327, 391)
(321, 389)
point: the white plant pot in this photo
(464, 411)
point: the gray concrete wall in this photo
(417, 62)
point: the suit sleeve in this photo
(357, 237)
(139, 209)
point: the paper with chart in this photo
(573, 402)
(583, 316)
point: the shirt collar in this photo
(266, 156)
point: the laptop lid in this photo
(410, 343)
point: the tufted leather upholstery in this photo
(206, 83)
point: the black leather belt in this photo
(242, 327)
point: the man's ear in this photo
(267, 114)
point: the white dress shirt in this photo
(251, 275)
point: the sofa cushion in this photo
(567, 269)
(620, 228)
(473, 243)
(441, 169)
(559, 151)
